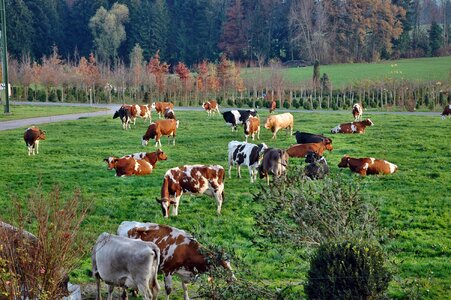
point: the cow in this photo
(192, 179)
(211, 107)
(301, 150)
(125, 115)
(252, 127)
(367, 165)
(245, 154)
(317, 167)
(353, 127)
(32, 136)
(275, 161)
(357, 112)
(446, 112)
(127, 263)
(111, 160)
(167, 127)
(181, 254)
(130, 165)
(144, 112)
(277, 122)
(305, 138)
(272, 106)
(169, 114)
(160, 107)
(238, 117)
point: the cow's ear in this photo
(105, 159)
(158, 200)
(172, 202)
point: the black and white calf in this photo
(125, 116)
(238, 117)
(245, 154)
(317, 167)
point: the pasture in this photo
(414, 203)
(35, 111)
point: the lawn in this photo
(414, 203)
(34, 111)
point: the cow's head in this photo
(368, 122)
(268, 123)
(165, 205)
(41, 135)
(153, 105)
(261, 148)
(111, 162)
(328, 146)
(116, 114)
(344, 163)
(311, 157)
(206, 105)
(161, 155)
(144, 141)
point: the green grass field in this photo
(421, 69)
(35, 111)
(414, 203)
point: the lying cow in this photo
(446, 112)
(275, 161)
(111, 160)
(169, 114)
(244, 154)
(277, 122)
(211, 107)
(305, 138)
(317, 167)
(192, 179)
(301, 150)
(368, 165)
(357, 112)
(32, 136)
(160, 107)
(167, 127)
(353, 127)
(124, 115)
(129, 165)
(127, 263)
(252, 127)
(238, 117)
(181, 254)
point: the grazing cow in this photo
(130, 165)
(167, 127)
(160, 107)
(367, 165)
(125, 115)
(181, 254)
(211, 107)
(277, 122)
(446, 112)
(275, 161)
(301, 150)
(353, 127)
(305, 138)
(144, 112)
(194, 179)
(127, 263)
(169, 114)
(251, 127)
(357, 112)
(32, 136)
(272, 106)
(247, 155)
(317, 167)
(238, 117)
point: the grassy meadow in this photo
(35, 111)
(414, 203)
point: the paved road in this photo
(111, 108)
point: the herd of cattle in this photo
(133, 257)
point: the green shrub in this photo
(53, 97)
(334, 106)
(286, 104)
(238, 103)
(324, 103)
(315, 104)
(40, 95)
(258, 103)
(230, 103)
(347, 270)
(307, 105)
(296, 103)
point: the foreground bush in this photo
(347, 270)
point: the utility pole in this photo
(4, 55)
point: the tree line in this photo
(251, 32)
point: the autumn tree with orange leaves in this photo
(159, 70)
(184, 74)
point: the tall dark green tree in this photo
(435, 38)
(20, 29)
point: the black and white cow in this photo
(238, 117)
(125, 115)
(317, 167)
(245, 154)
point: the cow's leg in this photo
(29, 150)
(219, 198)
(173, 139)
(110, 291)
(246, 137)
(175, 210)
(124, 295)
(37, 146)
(238, 167)
(251, 173)
(145, 291)
(168, 285)
(185, 290)
(230, 169)
(99, 295)
(267, 179)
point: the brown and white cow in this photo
(191, 179)
(275, 161)
(160, 107)
(139, 111)
(111, 160)
(301, 150)
(446, 112)
(166, 127)
(367, 165)
(272, 106)
(357, 112)
(211, 107)
(32, 136)
(353, 127)
(277, 122)
(181, 254)
(130, 165)
(252, 127)
(169, 114)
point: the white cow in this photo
(245, 154)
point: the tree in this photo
(159, 70)
(233, 39)
(316, 74)
(21, 30)
(184, 74)
(108, 30)
(435, 38)
(137, 67)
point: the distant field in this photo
(436, 68)
(34, 111)
(414, 203)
